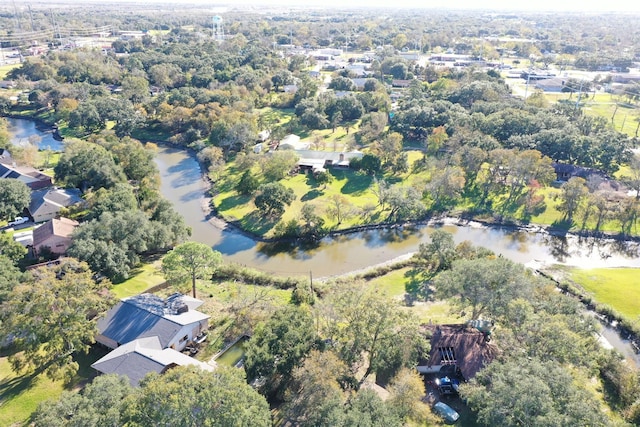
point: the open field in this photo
(20, 394)
(142, 278)
(4, 69)
(616, 287)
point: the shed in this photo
(461, 345)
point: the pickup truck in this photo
(19, 220)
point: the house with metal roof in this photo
(142, 356)
(465, 346)
(318, 161)
(174, 321)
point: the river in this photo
(182, 184)
(25, 131)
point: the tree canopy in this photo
(15, 196)
(52, 315)
(189, 262)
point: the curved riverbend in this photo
(182, 183)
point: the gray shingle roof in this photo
(139, 357)
(146, 315)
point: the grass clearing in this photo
(4, 69)
(21, 394)
(142, 278)
(616, 287)
(396, 284)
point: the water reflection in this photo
(24, 131)
(341, 254)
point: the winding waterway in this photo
(25, 131)
(182, 184)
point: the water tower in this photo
(218, 28)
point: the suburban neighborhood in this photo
(303, 215)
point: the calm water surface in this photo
(182, 184)
(25, 131)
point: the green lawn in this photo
(21, 394)
(397, 283)
(626, 116)
(4, 69)
(616, 287)
(142, 278)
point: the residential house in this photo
(555, 84)
(55, 234)
(292, 142)
(565, 171)
(142, 356)
(465, 346)
(400, 83)
(359, 82)
(46, 204)
(318, 161)
(290, 88)
(7, 84)
(33, 178)
(174, 321)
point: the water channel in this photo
(24, 131)
(183, 185)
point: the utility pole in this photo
(579, 94)
(15, 12)
(526, 89)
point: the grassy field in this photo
(4, 69)
(142, 278)
(21, 394)
(616, 287)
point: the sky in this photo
(501, 5)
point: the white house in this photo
(175, 321)
(292, 142)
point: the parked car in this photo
(19, 220)
(447, 413)
(447, 385)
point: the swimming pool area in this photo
(233, 355)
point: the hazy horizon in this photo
(489, 5)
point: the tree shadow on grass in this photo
(563, 224)
(233, 201)
(417, 286)
(258, 223)
(310, 195)
(356, 183)
(15, 386)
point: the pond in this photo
(233, 354)
(25, 131)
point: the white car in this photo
(19, 220)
